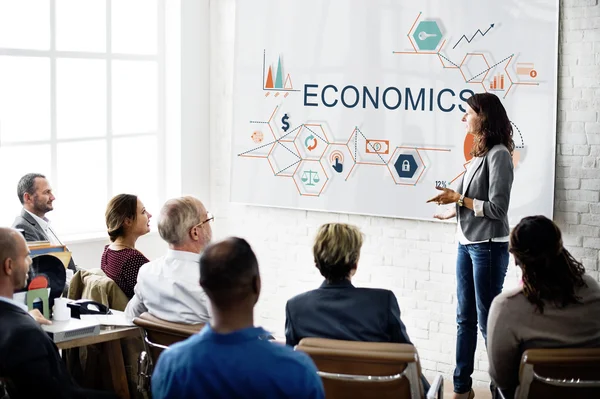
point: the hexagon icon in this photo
(284, 159)
(474, 68)
(310, 178)
(311, 141)
(337, 161)
(406, 166)
(427, 35)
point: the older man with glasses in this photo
(169, 287)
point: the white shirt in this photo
(477, 209)
(45, 225)
(169, 288)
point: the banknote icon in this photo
(378, 146)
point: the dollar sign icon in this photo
(286, 125)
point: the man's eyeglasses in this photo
(209, 218)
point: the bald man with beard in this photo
(29, 359)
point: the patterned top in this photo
(122, 267)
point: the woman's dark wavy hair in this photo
(550, 273)
(494, 126)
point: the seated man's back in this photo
(230, 358)
(235, 365)
(168, 288)
(28, 355)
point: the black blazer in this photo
(342, 311)
(29, 358)
(32, 231)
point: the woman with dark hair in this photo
(482, 199)
(126, 220)
(556, 306)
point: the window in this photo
(83, 100)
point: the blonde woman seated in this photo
(557, 305)
(337, 309)
(126, 220)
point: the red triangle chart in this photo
(269, 84)
(288, 83)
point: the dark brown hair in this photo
(550, 273)
(494, 126)
(120, 208)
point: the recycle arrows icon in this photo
(307, 141)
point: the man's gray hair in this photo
(27, 185)
(177, 217)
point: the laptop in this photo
(60, 331)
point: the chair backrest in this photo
(365, 369)
(560, 373)
(159, 334)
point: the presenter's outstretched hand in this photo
(447, 196)
(448, 214)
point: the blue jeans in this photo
(480, 272)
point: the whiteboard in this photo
(355, 106)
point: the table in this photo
(110, 339)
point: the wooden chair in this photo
(158, 335)
(352, 369)
(559, 373)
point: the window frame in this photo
(52, 54)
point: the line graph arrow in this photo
(473, 37)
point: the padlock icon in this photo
(405, 166)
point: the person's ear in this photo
(256, 286)
(26, 197)
(194, 233)
(7, 266)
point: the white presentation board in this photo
(355, 106)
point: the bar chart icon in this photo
(273, 80)
(497, 83)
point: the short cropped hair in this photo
(120, 208)
(177, 217)
(227, 271)
(8, 244)
(27, 185)
(336, 250)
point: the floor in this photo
(480, 392)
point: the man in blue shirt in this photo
(230, 358)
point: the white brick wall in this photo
(414, 259)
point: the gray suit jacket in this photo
(490, 182)
(32, 231)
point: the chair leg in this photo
(144, 371)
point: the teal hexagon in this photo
(427, 35)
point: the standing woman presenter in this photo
(482, 201)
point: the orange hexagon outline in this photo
(324, 184)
